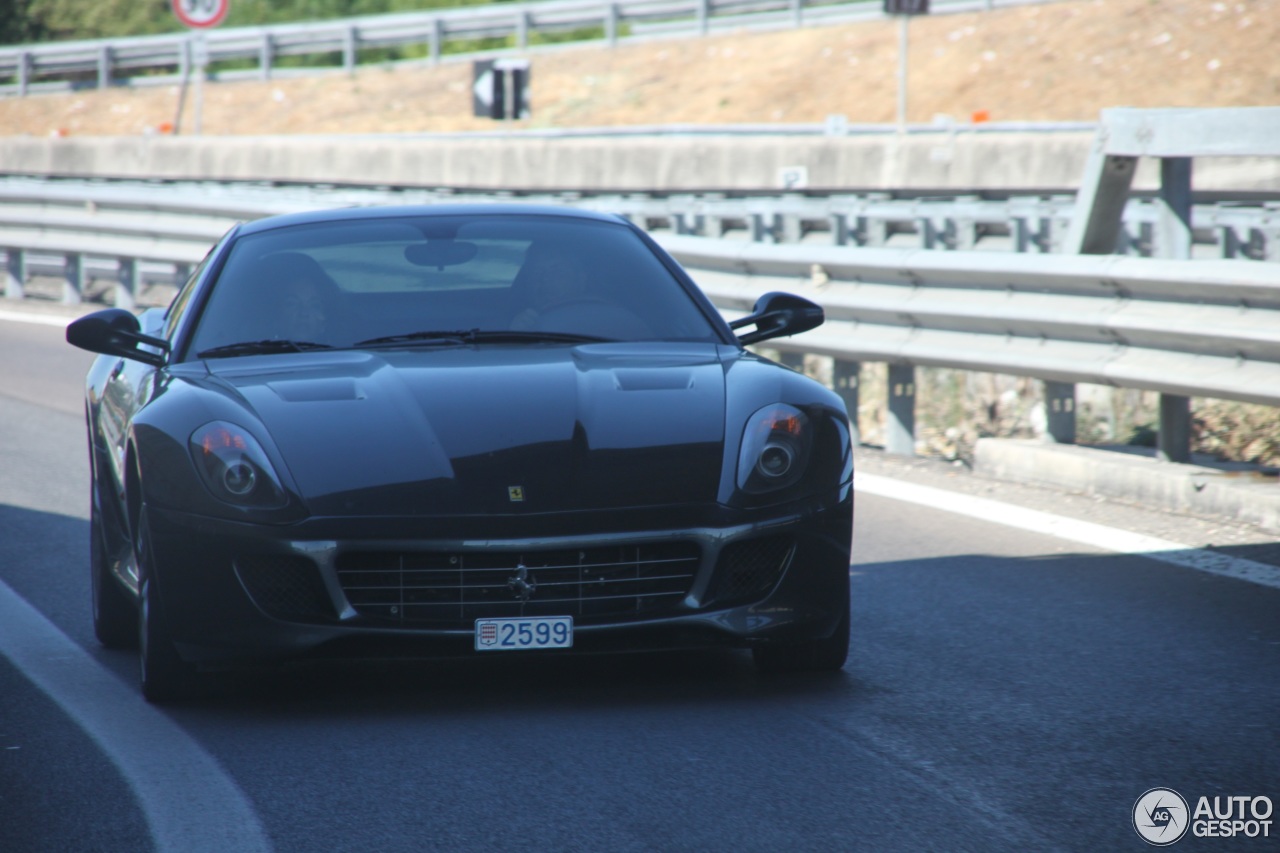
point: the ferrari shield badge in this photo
(515, 493)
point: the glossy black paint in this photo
(422, 450)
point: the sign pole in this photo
(201, 62)
(904, 9)
(186, 83)
(904, 21)
(199, 15)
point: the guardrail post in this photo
(1021, 234)
(1173, 441)
(522, 29)
(1173, 240)
(792, 228)
(181, 272)
(704, 16)
(265, 56)
(1026, 235)
(611, 24)
(73, 288)
(1173, 229)
(797, 13)
(760, 232)
(1230, 244)
(844, 376)
(871, 232)
(24, 73)
(839, 229)
(928, 233)
(692, 224)
(900, 426)
(128, 278)
(1104, 191)
(15, 273)
(1060, 408)
(104, 66)
(349, 50)
(435, 42)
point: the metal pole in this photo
(900, 426)
(1173, 441)
(1060, 406)
(1174, 241)
(202, 60)
(73, 286)
(902, 72)
(845, 375)
(185, 60)
(15, 272)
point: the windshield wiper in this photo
(501, 336)
(426, 336)
(270, 345)
(472, 336)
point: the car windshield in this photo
(441, 280)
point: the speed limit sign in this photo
(200, 13)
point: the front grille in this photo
(286, 587)
(747, 570)
(453, 589)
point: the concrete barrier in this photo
(1241, 492)
(956, 160)
(959, 160)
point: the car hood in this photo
(491, 429)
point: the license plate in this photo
(535, 632)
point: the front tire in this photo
(114, 615)
(825, 655)
(163, 674)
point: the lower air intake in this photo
(453, 589)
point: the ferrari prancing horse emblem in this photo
(515, 493)
(522, 584)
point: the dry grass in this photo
(1061, 61)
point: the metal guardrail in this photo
(1202, 328)
(343, 44)
(1175, 325)
(1180, 327)
(1226, 226)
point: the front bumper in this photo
(237, 592)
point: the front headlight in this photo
(775, 449)
(234, 466)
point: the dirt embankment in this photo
(1060, 61)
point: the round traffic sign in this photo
(200, 13)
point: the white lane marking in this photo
(1083, 532)
(37, 319)
(190, 803)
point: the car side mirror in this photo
(115, 331)
(779, 314)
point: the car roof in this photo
(351, 214)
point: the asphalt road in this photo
(1003, 692)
